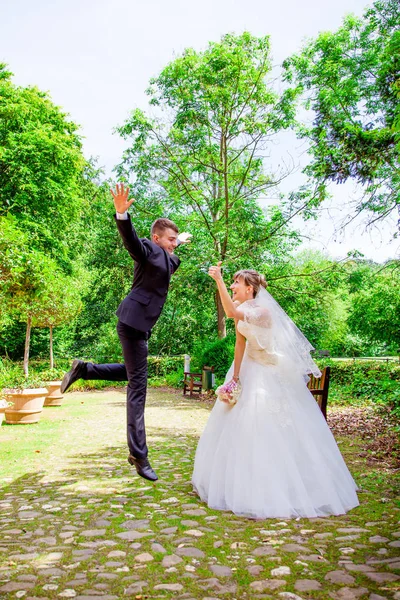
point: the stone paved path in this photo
(75, 522)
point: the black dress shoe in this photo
(143, 467)
(77, 371)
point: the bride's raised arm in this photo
(231, 310)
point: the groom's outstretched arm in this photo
(132, 243)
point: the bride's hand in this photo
(215, 272)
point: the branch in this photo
(394, 263)
(188, 192)
(288, 289)
(184, 181)
(251, 92)
(176, 162)
(252, 141)
(279, 226)
(259, 188)
(247, 169)
(333, 265)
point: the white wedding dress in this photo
(272, 455)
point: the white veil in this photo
(277, 334)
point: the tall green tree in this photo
(15, 257)
(375, 312)
(59, 302)
(33, 290)
(202, 159)
(309, 286)
(41, 169)
(24, 295)
(43, 185)
(350, 79)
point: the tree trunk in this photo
(27, 344)
(221, 316)
(51, 348)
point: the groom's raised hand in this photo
(185, 238)
(120, 196)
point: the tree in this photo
(13, 252)
(203, 162)
(24, 295)
(41, 170)
(351, 80)
(375, 310)
(43, 177)
(309, 286)
(58, 303)
(32, 289)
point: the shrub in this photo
(161, 366)
(175, 379)
(374, 381)
(218, 354)
(12, 375)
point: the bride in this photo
(271, 454)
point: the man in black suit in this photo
(154, 262)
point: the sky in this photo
(96, 57)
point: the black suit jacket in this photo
(152, 272)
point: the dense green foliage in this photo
(350, 78)
(41, 166)
(358, 382)
(218, 354)
(352, 381)
(41, 183)
(376, 307)
(202, 163)
(162, 370)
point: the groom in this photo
(154, 263)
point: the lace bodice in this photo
(256, 328)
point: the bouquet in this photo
(229, 392)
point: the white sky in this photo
(96, 57)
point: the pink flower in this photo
(229, 392)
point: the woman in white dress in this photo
(270, 455)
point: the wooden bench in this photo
(192, 382)
(319, 388)
(322, 353)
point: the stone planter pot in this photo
(54, 396)
(3, 406)
(27, 406)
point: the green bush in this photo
(161, 366)
(377, 382)
(218, 354)
(12, 375)
(106, 347)
(175, 379)
(351, 382)
(360, 373)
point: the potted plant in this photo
(54, 396)
(27, 406)
(3, 405)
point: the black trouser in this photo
(134, 348)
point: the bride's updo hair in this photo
(251, 277)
